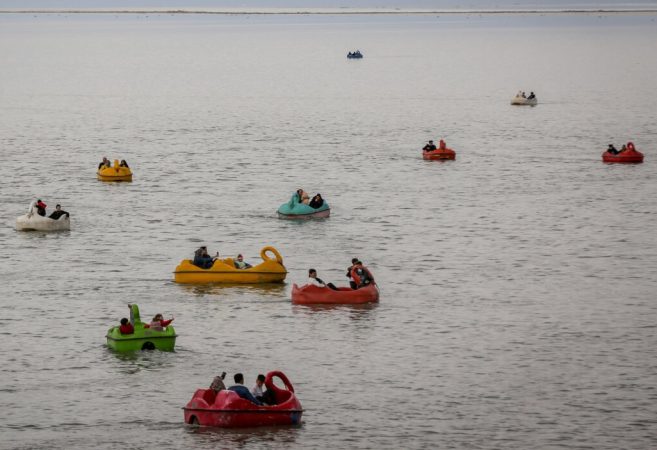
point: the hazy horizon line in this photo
(320, 11)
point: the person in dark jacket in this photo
(59, 212)
(317, 201)
(429, 147)
(104, 163)
(202, 259)
(242, 390)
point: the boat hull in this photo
(627, 157)
(314, 215)
(35, 222)
(438, 154)
(522, 101)
(142, 339)
(271, 270)
(315, 295)
(114, 174)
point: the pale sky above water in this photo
(331, 4)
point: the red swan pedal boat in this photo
(438, 154)
(227, 409)
(629, 156)
(315, 295)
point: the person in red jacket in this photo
(126, 327)
(41, 208)
(158, 323)
(361, 275)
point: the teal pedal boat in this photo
(294, 209)
(143, 338)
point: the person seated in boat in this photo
(523, 94)
(429, 147)
(317, 201)
(202, 259)
(126, 327)
(315, 281)
(41, 208)
(611, 149)
(240, 263)
(242, 390)
(531, 96)
(361, 275)
(349, 54)
(218, 383)
(104, 163)
(59, 212)
(442, 145)
(267, 397)
(352, 283)
(302, 197)
(623, 149)
(158, 323)
(124, 164)
(519, 94)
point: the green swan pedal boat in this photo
(143, 338)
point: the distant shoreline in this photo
(325, 12)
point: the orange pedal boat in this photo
(315, 295)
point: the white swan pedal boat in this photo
(524, 101)
(34, 222)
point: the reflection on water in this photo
(246, 437)
(263, 291)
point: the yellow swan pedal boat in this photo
(115, 173)
(270, 270)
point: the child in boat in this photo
(126, 327)
(124, 164)
(158, 323)
(240, 264)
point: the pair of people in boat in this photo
(316, 202)
(157, 324)
(256, 395)
(106, 163)
(523, 95)
(203, 260)
(431, 146)
(614, 151)
(359, 276)
(41, 210)
(356, 53)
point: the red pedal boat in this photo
(438, 154)
(315, 295)
(227, 409)
(629, 156)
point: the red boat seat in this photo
(209, 395)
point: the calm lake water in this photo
(517, 282)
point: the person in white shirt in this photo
(257, 390)
(312, 279)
